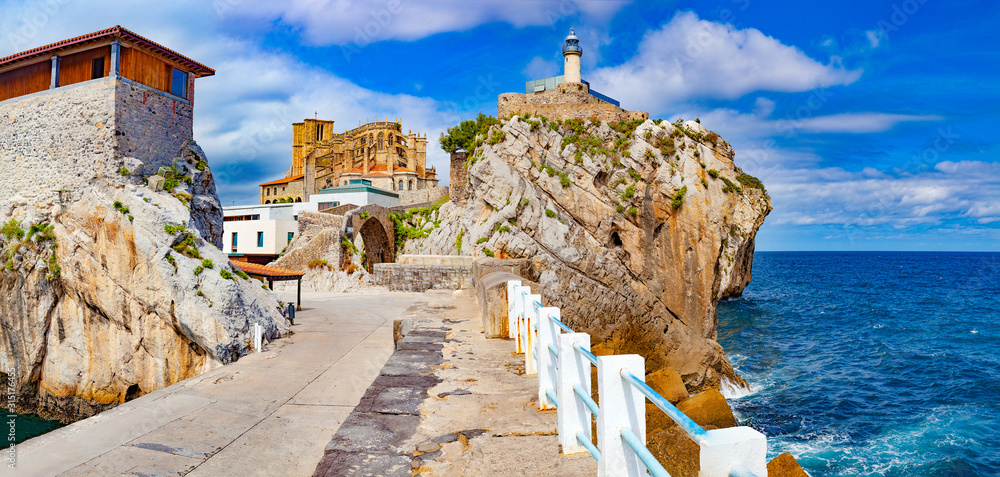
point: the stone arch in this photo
(267, 202)
(377, 231)
(298, 199)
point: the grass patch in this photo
(678, 199)
(550, 213)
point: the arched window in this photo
(400, 185)
(298, 199)
(411, 185)
(267, 202)
(390, 139)
(380, 143)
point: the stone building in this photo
(377, 153)
(565, 96)
(101, 105)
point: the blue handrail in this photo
(694, 431)
(587, 400)
(553, 350)
(643, 454)
(586, 354)
(552, 396)
(562, 325)
(582, 439)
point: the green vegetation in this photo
(198, 270)
(629, 193)
(704, 182)
(501, 228)
(481, 240)
(634, 175)
(458, 241)
(525, 202)
(412, 224)
(123, 171)
(207, 263)
(550, 213)
(225, 274)
(241, 274)
(442, 200)
(364, 215)
(712, 138)
(318, 262)
(750, 181)
(633, 211)
(348, 245)
(121, 208)
(678, 199)
(620, 208)
(175, 229)
(564, 180)
(487, 252)
(170, 260)
(463, 136)
(187, 246)
(714, 173)
(730, 187)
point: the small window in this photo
(400, 185)
(234, 241)
(319, 132)
(178, 83)
(260, 239)
(411, 185)
(97, 68)
(290, 236)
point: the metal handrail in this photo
(586, 354)
(561, 324)
(694, 431)
(554, 351)
(587, 444)
(551, 394)
(587, 400)
(643, 453)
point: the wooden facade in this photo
(90, 57)
(25, 80)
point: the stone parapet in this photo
(564, 102)
(451, 260)
(420, 278)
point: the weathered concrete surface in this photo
(270, 413)
(451, 402)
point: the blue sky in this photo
(872, 123)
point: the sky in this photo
(871, 123)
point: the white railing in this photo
(562, 359)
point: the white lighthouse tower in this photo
(572, 52)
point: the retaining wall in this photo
(420, 278)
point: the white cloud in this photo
(341, 22)
(763, 107)
(690, 58)
(856, 123)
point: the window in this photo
(290, 236)
(179, 83)
(260, 239)
(411, 185)
(234, 241)
(97, 68)
(400, 185)
(390, 139)
(319, 132)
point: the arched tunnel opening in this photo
(377, 245)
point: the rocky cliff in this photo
(115, 290)
(636, 230)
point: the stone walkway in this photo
(449, 402)
(270, 413)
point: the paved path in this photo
(450, 402)
(270, 413)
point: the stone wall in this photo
(60, 139)
(151, 127)
(318, 239)
(412, 197)
(451, 260)
(565, 101)
(459, 177)
(68, 137)
(420, 278)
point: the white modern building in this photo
(259, 233)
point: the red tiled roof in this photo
(117, 31)
(265, 271)
(284, 181)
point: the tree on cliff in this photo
(461, 137)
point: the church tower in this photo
(572, 52)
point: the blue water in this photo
(872, 363)
(25, 427)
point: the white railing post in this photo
(722, 448)
(528, 341)
(547, 332)
(521, 307)
(621, 406)
(572, 413)
(258, 337)
(512, 286)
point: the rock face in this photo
(635, 231)
(101, 302)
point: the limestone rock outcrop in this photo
(115, 290)
(636, 230)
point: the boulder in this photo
(627, 230)
(492, 292)
(679, 455)
(667, 383)
(709, 409)
(785, 465)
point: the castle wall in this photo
(57, 139)
(563, 102)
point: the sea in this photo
(24, 426)
(871, 363)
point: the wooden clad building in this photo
(112, 52)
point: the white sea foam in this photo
(731, 390)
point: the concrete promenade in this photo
(270, 413)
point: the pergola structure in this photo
(271, 275)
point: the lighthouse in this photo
(572, 52)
